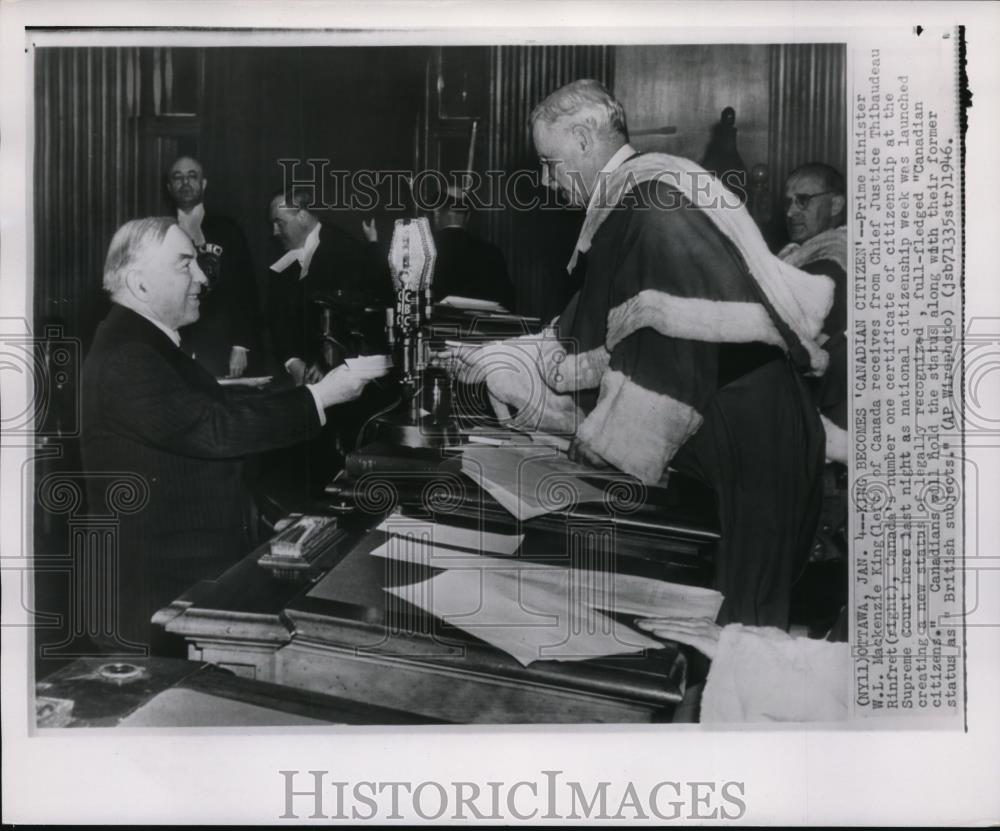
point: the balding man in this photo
(153, 415)
(815, 205)
(684, 345)
(225, 337)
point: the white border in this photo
(792, 776)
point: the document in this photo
(533, 611)
(530, 481)
(438, 534)
(529, 620)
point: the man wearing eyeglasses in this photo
(225, 336)
(815, 208)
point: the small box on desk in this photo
(293, 551)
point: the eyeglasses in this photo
(802, 200)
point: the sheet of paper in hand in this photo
(530, 481)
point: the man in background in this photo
(466, 265)
(324, 272)
(162, 442)
(320, 261)
(225, 338)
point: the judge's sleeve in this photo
(657, 385)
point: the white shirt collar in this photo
(190, 222)
(173, 334)
(610, 165)
(302, 255)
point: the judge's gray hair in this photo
(128, 245)
(587, 101)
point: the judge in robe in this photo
(815, 204)
(225, 337)
(163, 444)
(685, 348)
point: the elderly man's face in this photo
(810, 208)
(290, 225)
(566, 169)
(171, 279)
(186, 183)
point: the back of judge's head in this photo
(585, 101)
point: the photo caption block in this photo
(906, 333)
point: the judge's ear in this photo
(837, 205)
(204, 186)
(582, 137)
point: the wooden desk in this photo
(348, 642)
(167, 692)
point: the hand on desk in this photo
(340, 385)
(701, 633)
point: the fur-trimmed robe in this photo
(694, 336)
(826, 253)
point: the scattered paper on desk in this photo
(473, 304)
(529, 481)
(433, 534)
(255, 381)
(630, 594)
(426, 543)
(528, 619)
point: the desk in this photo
(346, 641)
(167, 692)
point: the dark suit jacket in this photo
(342, 267)
(154, 417)
(470, 267)
(229, 311)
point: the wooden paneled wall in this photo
(537, 243)
(808, 120)
(87, 158)
(687, 87)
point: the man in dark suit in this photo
(320, 262)
(157, 420)
(225, 336)
(466, 266)
(323, 263)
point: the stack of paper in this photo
(529, 481)
(530, 610)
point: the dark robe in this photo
(737, 416)
(468, 266)
(342, 268)
(229, 308)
